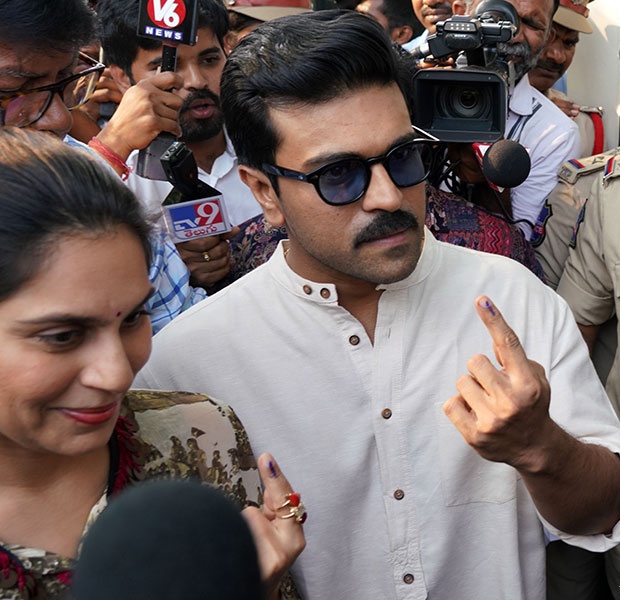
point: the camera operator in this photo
(533, 120)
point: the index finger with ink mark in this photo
(508, 349)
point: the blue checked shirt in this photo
(169, 277)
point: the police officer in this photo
(591, 286)
(569, 21)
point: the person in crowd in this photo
(590, 285)
(422, 490)
(132, 59)
(395, 16)
(533, 120)
(74, 332)
(246, 15)
(43, 77)
(428, 13)
(570, 19)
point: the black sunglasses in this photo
(24, 108)
(346, 181)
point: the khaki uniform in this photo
(558, 222)
(591, 280)
(587, 131)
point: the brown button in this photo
(307, 289)
(386, 413)
(354, 340)
(408, 578)
(399, 494)
(325, 293)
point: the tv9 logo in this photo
(196, 218)
(167, 13)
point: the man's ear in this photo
(263, 191)
(459, 7)
(120, 77)
(403, 34)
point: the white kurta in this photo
(399, 505)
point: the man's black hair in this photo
(399, 13)
(300, 60)
(63, 25)
(119, 25)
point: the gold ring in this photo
(297, 509)
(206, 256)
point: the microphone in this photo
(506, 164)
(168, 540)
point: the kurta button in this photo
(325, 293)
(399, 494)
(408, 578)
(386, 413)
(354, 340)
(307, 289)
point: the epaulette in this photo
(612, 168)
(573, 169)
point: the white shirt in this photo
(239, 200)
(550, 137)
(399, 506)
(416, 41)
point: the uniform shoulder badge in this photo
(573, 169)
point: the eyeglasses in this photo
(24, 108)
(346, 181)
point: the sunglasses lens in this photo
(409, 164)
(23, 110)
(343, 182)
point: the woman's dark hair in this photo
(301, 60)
(64, 25)
(50, 190)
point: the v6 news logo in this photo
(171, 21)
(167, 13)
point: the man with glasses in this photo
(343, 350)
(43, 76)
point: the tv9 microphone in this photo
(171, 22)
(505, 163)
(168, 540)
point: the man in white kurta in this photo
(347, 354)
(392, 490)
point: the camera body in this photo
(469, 103)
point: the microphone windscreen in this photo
(506, 164)
(168, 540)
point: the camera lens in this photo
(459, 102)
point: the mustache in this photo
(509, 51)
(549, 65)
(387, 223)
(200, 95)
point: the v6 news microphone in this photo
(171, 22)
(168, 540)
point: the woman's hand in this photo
(279, 538)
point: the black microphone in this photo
(168, 540)
(506, 164)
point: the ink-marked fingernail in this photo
(487, 304)
(272, 469)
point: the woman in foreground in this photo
(74, 254)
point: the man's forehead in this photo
(34, 63)
(520, 5)
(565, 33)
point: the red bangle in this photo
(110, 156)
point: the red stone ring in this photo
(297, 509)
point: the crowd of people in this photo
(432, 358)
